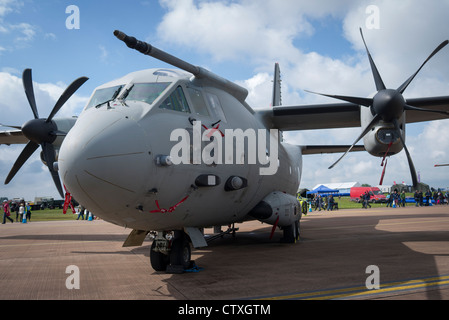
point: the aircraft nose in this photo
(104, 160)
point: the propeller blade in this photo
(29, 91)
(49, 155)
(409, 158)
(365, 131)
(404, 86)
(71, 89)
(408, 107)
(23, 157)
(367, 102)
(377, 78)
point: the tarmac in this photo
(342, 254)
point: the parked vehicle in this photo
(375, 194)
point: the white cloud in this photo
(26, 30)
(17, 34)
(15, 107)
(230, 29)
(104, 53)
(7, 6)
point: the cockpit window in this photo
(215, 106)
(104, 95)
(176, 101)
(197, 99)
(146, 92)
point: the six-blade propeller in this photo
(42, 131)
(387, 105)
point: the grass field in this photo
(56, 214)
(346, 203)
(48, 215)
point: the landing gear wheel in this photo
(180, 252)
(159, 261)
(291, 233)
(298, 230)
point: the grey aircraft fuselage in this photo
(110, 161)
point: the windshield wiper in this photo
(125, 94)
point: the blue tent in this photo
(323, 190)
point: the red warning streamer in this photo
(386, 153)
(383, 173)
(67, 202)
(384, 165)
(171, 209)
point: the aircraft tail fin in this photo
(277, 99)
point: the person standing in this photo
(21, 212)
(416, 196)
(330, 203)
(28, 211)
(6, 212)
(81, 214)
(390, 199)
(403, 198)
(428, 195)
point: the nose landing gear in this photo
(171, 252)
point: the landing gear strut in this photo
(171, 252)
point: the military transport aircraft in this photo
(169, 152)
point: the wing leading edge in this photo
(12, 137)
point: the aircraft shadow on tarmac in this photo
(328, 256)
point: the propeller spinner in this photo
(41, 131)
(387, 105)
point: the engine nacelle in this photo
(377, 140)
(278, 205)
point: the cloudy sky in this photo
(317, 44)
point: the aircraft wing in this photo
(12, 137)
(435, 103)
(342, 115)
(309, 117)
